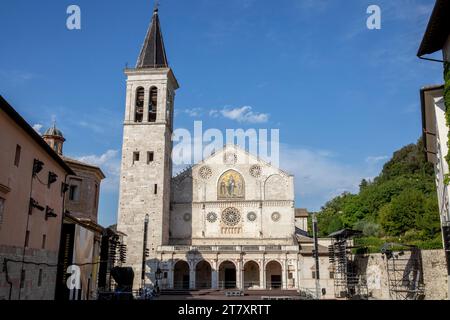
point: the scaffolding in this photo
(349, 282)
(404, 271)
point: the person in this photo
(231, 186)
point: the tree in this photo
(401, 213)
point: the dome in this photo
(53, 131)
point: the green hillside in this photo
(399, 205)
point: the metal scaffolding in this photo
(349, 282)
(404, 271)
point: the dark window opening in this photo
(153, 104)
(40, 278)
(150, 157)
(156, 189)
(331, 275)
(22, 279)
(135, 157)
(73, 193)
(96, 197)
(2, 209)
(27, 238)
(139, 105)
(44, 240)
(17, 156)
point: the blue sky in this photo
(344, 97)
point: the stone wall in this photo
(33, 289)
(434, 274)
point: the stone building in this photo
(32, 178)
(81, 235)
(228, 221)
(434, 110)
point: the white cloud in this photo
(109, 162)
(319, 175)
(243, 114)
(37, 127)
(193, 112)
(376, 159)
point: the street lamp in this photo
(316, 254)
(158, 276)
(144, 250)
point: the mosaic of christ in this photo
(231, 185)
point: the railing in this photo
(274, 285)
(227, 285)
(228, 248)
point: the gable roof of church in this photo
(225, 149)
(153, 53)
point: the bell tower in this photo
(146, 168)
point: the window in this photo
(22, 279)
(156, 189)
(73, 193)
(135, 157)
(313, 274)
(152, 104)
(2, 208)
(17, 156)
(150, 157)
(331, 274)
(139, 105)
(165, 275)
(44, 239)
(96, 196)
(27, 238)
(40, 278)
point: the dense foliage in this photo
(447, 108)
(398, 205)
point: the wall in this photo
(434, 274)
(17, 187)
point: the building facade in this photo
(81, 235)
(227, 222)
(32, 178)
(434, 103)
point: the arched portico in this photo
(274, 273)
(251, 275)
(203, 273)
(181, 275)
(227, 275)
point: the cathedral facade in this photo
(227, 222)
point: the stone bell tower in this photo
(146, 168)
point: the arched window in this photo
(139, 106)
(152, 104)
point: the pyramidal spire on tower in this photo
(153, 53)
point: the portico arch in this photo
(181, 275)
(203, 272)
(251, 275)
(273, 275)
(227, 275)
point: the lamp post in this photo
(316, 255)
(144, 251)
(158, 276)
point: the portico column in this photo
(214, 276)
(170, 277)
(262, 282)
(192, 275)
(238, 275)
(283, 275)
